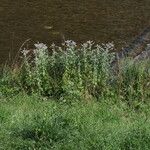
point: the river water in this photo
(80, 20)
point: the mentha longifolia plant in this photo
(70, 69)
(82, 71)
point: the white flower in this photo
(90, 42)
(25, 52)
(85, 45)
(70, 43)
(41, 46)
(110, 45)
(53, 45)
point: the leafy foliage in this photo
(74, 72)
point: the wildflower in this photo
(90, 42)
(70, 43)
(53, 45)
(85, 45)
(41, 46)
(25, 52)
(110, 45)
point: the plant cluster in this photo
(77, 72)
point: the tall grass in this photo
(74, 72)
(133, 79)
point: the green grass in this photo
(73, 98)
(31, 122)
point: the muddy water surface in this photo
(80, 20)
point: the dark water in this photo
(80, 20)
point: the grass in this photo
(31, 122)
(73, 97)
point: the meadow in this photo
(75, 97)
(31, 122)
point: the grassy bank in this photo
(75, 97)
(31, 122)
(87, 71)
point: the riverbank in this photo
(75, 97)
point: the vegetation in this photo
(31, 122)
(75, 97)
